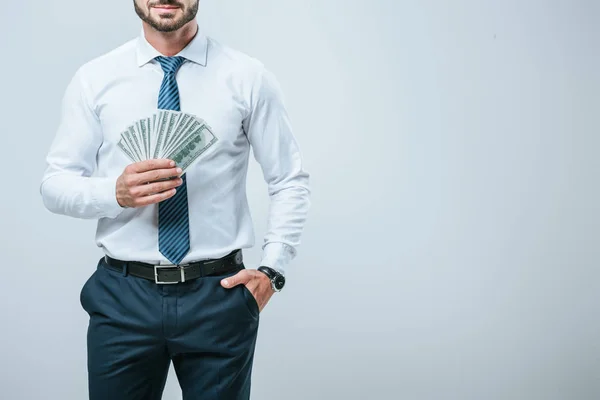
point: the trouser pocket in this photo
(250, 300)
(83, 293)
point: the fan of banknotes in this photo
(174, 135)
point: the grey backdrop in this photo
(452, 246)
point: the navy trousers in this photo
(137, 328)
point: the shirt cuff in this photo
(277, 255)
(104, 197)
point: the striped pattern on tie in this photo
(173, 218)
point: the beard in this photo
(167, 22)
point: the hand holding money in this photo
(148, 182)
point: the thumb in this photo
(239, 278)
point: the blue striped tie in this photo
(173, 222)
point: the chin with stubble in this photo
(166, 15)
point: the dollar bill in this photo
(138, 142)
(152, 134)
(145, 132)
(125, 148)
(161, 133)
(129, 138)
(172, 122)
(189, 151)
(140, 131)
(180, 129)
(186, 132)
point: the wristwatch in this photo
(277, 279)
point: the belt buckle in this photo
(167, 266)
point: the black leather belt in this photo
(170, 274)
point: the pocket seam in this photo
(83, 291)
(249, 297)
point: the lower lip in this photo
(165, 9)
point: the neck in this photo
(170, 43)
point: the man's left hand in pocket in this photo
(257, 283)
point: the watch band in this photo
(277, 279)
(270, 272)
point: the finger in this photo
(154, 198)
(149, 165)
(241, 277)
(155, 188)
(155, 175)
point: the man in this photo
(172, 285)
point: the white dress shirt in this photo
(238, 98)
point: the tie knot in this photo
(170, 65)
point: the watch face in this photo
(279, 282)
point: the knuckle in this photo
(151, 190)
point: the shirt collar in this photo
(196, 51)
